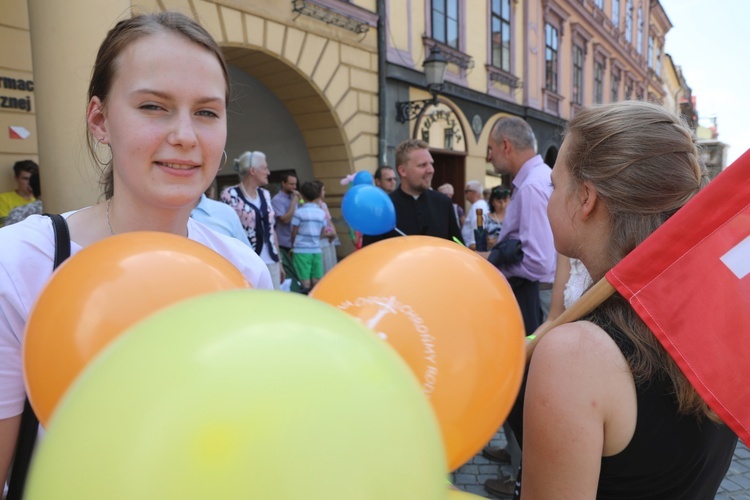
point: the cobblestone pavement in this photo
(472, 475)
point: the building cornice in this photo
(657, 14)
(606, 30)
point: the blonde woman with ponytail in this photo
(606, 411)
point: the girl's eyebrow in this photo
(164, 95)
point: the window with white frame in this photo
(598, 82)
(650, 53)
(628, 89)
(616, 13)
(551, 42)
(445, 22)
(639, 42)
(629, 21)
(657, 62)
(501, 42)
(577, 97)
(615, 84)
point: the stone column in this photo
(65, 37)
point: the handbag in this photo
(29, 423)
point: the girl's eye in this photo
(150, 107)
(208, 113)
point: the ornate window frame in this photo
(600, 67)
(555, 17)
(459, 62)
(615, 72)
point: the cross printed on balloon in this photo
(385, 308)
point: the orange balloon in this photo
(102, 291)
(454, 319)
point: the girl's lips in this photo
(177, 166)
(178, 169)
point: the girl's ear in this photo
(97, 120)
(589, 199)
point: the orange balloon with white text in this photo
(102, 291)
(452, 317)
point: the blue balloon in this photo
(363, 177)
(369, 210)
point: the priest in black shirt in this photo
(419, 209)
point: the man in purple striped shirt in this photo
(512, 150)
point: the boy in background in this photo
(308, 223)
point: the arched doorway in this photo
(302, 133)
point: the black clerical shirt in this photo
(431, 214)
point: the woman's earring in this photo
(96, 153)
(224, 163)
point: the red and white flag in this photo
(17, 132)
(690, 282)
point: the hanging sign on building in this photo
(439, 127)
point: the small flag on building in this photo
(16, 132)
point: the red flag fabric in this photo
(690, 282)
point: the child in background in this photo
(330, 240)
(308, 223)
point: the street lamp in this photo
(434, 72)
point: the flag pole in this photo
(589, 301)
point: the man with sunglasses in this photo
(385, 178)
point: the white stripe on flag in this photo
(737, 259)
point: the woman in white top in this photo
(157, 123)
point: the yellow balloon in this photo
(243, 394)
(461, 495)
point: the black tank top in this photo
(670, 457)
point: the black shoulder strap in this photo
(29, 423)
(62, 238)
